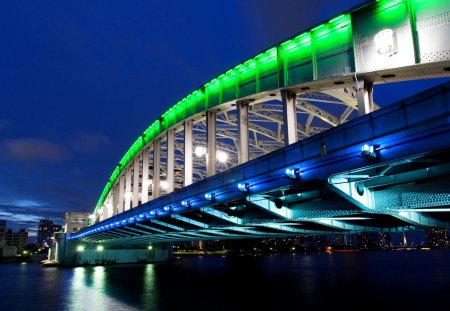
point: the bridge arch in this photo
(300, 87)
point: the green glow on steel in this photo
(335, 33)
(320, 26)
(304, 38)
(337, 18)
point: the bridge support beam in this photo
(188, 125)
(128, 192)
(115, 199)
(156, 168)
(145, 181)
(364, 97)
(170, 169)
(211, 143)
(67, 253)
(136, 170)
(121, 194)
(242, 120)
(289, 116)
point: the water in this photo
(416, 280)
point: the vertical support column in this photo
(289, 116)
(136, 171)
(188, 158)
(156, 167)
(115, 199)
(145, 181)
(242, 120)
(364, 97)
(127, 195)
(211, 143)
(121, 193)
(170, 160)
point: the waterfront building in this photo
(2, 229)
(75, 221)
(17, 239)
(46, 228)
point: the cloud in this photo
(32, 150)
(89, 143)
(24, 203)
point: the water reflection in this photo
(88, 291)
(150, 294)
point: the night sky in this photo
(81, 80)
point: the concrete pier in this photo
(69, 253)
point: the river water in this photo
(384, 280)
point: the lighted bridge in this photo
(290, 142)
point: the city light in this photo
(150, 247)
(100, 248)
(80, 248)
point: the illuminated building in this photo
(19, 239)
(46, 228)
(438, 237)
(75, 221)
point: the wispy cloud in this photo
(23, 203)
(89, 143)
(32, 150)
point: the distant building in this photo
(75, 221)
(2, 229)
(18, 239)
(46, 228)
(438, 237)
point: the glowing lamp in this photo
(210, 196)
(222, 156)
(385, 42)
(244, 187)
(200, 151)
(368, 152)
(292, 172)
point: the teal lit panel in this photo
(335, 65)
(269, 82)
(431, 22)
(297, 55)
(382, 14)
(267, 70)
(228, 87)
(334, 48)
(248, 88)
(247, 78)
(212, 90)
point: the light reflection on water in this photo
(413, 280)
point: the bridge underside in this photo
(399, 180)
(387, 197)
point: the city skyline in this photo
(82, 81)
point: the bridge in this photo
(290, 142)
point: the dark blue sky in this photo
(81, 80)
